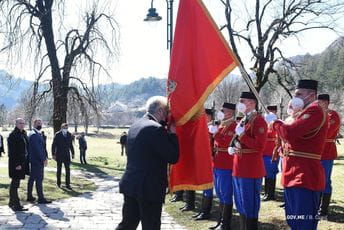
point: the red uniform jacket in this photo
(330, 148)
(249, 163)
(222, 139)
(270, 142)
(305, 135)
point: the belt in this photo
(330, 140)
(301, 154)
(240, 151)
(217, 149)
(271, 139)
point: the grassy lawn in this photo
(103, 156)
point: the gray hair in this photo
(154, 103)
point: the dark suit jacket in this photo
(150, 148)
(61, 147)
(2, 149)
(17, 154)
(82, 143)
(37, 154)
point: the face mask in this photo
(220, 115)
(289, 111)
(241, 107)
(39, 127)
(297, 103)
(64, 131)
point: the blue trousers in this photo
(224, 185)
(36, 175)
(301, 208)
(328, 165)
(208, 193)
(271, 167)
(246, 196)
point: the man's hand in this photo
(239, 129)
(45, 163)
(18, 167)
(172, 127)
(270, 117)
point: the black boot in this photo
(325, 202)
(190, 201)
(251, 224)
(270, 185)
(178, 196)
(226, 218)
(206, 208)
(242, 222)
(200, 211)
(219, 217)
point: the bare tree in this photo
(69, 53)
(268, 22)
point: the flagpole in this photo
(249, 83)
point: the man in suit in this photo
(61, 148)
(150, 148)
(123, 142)
(17, 162)
(82, 148)
(38, 160)
(2, 149)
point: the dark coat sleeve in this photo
(166, 145)
(37, 151)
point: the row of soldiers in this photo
(248, 149)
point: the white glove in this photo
(212, 129)
(270, 117)
(239, 129)
(231, 150)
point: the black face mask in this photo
(39, 127)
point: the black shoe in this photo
(44, 201)
(203, 216)
(58, 185)
(282, 205)
(196, 215)
(19, 208)
(68, 187)
(177, 198)
(31, 199)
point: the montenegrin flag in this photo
(200, 59)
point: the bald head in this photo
(20, 123)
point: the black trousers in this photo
(14, 198)
(58, 173)
(134, 211)
(83, 156)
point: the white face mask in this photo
(241, 107)
(64, 131)
(297, 104)
(220, 115)
(290, 111)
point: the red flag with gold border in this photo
(200, 59)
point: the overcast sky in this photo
(143, 50)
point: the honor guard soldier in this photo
(330, 151)
(271, 166)
(207, 198)
(303, 176)
(223, 165)
(248, 166)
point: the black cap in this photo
(307, 84)
(209, 111)
(272, 107)
(248, 95)
(324, 96)
(229, 106)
